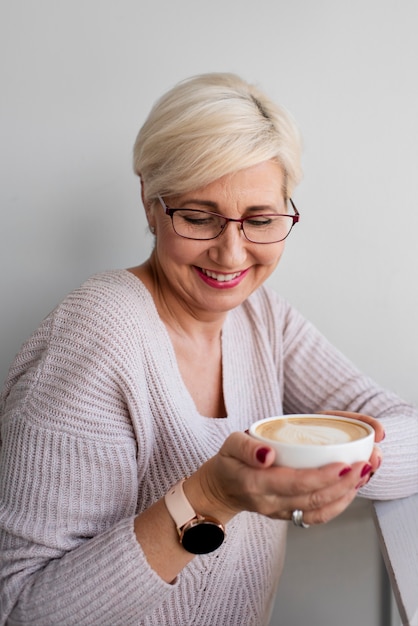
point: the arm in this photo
(319, 378)
(241, 477)
(78, 544)
(69, 491)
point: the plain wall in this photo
(77, 80)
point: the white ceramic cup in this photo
(312, 440)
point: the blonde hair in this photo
(212, 125)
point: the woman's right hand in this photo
(242, 477)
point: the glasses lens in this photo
(267, 228)
(197, 224)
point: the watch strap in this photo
(178, 505)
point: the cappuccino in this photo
(313, 440)
(312, 431)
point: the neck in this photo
(180, 320)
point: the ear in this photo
(142, 192)
(147, 206)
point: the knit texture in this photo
(97, 424)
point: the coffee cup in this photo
(312, 440)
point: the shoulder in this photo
(98, 325)
(113, 289)
(106, 301)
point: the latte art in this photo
(312, 431)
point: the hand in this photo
(376, 456)
(241, 477)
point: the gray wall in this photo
(77, 79)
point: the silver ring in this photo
(297, 519)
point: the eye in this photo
(197, 218)
(260, 220)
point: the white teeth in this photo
(222, 278)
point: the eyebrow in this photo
(213, 206)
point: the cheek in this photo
(270, 255)
(178, 250)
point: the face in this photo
(207, 278)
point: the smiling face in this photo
(208, 278)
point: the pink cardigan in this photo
(97, 424)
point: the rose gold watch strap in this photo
(178, 505)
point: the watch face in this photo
(202, 536)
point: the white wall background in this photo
(77, 80)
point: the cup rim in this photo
(254, 425)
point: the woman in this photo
(145, 377)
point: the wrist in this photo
(198, 533)
(205, 497)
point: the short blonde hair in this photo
(212, 125)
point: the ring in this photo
(297, 519)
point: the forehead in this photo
(263, 183)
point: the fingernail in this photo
(366, 470)
(345, 471)
(247, 432)
(261, 454)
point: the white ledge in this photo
(397, 527)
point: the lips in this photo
(222, 278)
(222, 281)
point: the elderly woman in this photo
(130, 491)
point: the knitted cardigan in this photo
(97, 424)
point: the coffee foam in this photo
(312, 431)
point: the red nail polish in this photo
(261, 454)
(345, 471)
(366, 470)
(247, 432)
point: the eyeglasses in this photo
(205, 225)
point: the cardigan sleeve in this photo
(69, 476)
(318, 377)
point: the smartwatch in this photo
(198, 534)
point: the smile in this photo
(222, 278)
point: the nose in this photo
(229, 249)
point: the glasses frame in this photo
(170, 212)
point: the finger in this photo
(247, 450)
(376, 459)
(349, 480)
(368, 419)
(330, 510)
(295, 483)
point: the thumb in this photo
(376, 425)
